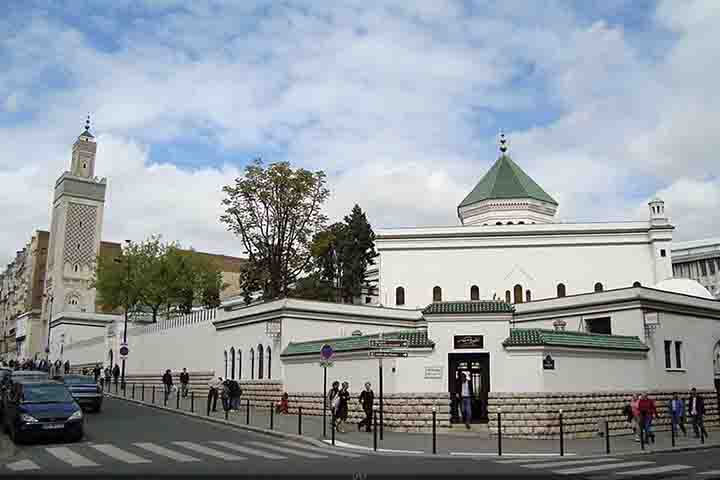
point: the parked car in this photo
(28, 375)
(42, 409)
(5, 374)
(85, 391)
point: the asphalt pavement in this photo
(126, 438)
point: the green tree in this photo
(358, 253)
(275, 211)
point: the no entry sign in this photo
(326, 352)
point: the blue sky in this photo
(606, 104)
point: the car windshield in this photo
(79, 380)
(46, 393)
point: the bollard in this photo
(272, 416)
(375, 430)
(642, 433)
(153, 394)
(192, 402)
(177, 400)
(607, 437)
(434, 433)
(226, 411)
(672, 431)
(165, 396)
(208, 404)
(124, 390)
(702, 431)
(133, 391)
(562, 437)
(499, 432)
(299, 420)
(247, 413)
(142, 392)
(333, 427)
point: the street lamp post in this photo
(127, 306)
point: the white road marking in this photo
(598, 468)
(166, 452)
(360, 447)
(68, 456)
(572, 462)
(710, 472)
(210, 452)
(287, 450)
(119, 454)
(22, 465)
(650, 471)
(535, 458)
(250, 451)
(320, 450)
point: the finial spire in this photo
(503, 143)
(87, 123)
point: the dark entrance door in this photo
(477, 366)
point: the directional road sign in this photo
(387, 343)
(382, 354)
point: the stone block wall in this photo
(261, 393)
(536, 415)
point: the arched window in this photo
(474, 293)
(76, 268)
(498, 223)
(561, 290)
(399, 296)
(521, 222)
(437, 294)
(260, 362)
(509, 223)
(269, 359)
(637, 284)
(518, 293)
(528, 296)
(239, 357)
(507, 296)
(252, 364)
(226, 365)
(232, 363)
(598, 287)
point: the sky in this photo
(605, 104)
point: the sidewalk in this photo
(460, 443)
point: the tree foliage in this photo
(275, 211)
(157, 276)
(341, 256)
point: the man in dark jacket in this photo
(167, 383)
(116, 373)
(367, 397)
(696, 410)
(184, 381)
(464, 392)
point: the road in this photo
(131, 439)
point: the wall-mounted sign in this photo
(548, 363)
(433, 372)
(468, 341)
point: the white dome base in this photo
(684, 286)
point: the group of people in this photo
(642, 411)
(167, 381)
(54, 368)
(229, 392)
(103, 376)
(339, 398)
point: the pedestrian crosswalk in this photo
(90, 455)
(607, 466)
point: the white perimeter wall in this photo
(308, 375)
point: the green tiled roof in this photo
(541, 337)
(506, 179)
(475, 306)
(415, 338)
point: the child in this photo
(284, 405)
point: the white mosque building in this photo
(542, 315)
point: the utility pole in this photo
(127, 307)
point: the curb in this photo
(227, 423)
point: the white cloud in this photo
(395, 100)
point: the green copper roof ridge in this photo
(527, 181)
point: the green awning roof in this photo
(415, 338)
(506, 180)
(522, 337)
(475, 306)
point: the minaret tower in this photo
(660, 239)
(75, 232)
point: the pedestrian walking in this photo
(225, 394)
(465, 395)
(67, 367)
(214, 389)
(96, 372)
(184, 381)
(235, 393)
(676, 407)
(333, 399)
(696, 408)
(167, 383)
(116, 373)
(283, 405)
(366, 399)
(108, 375)
(635, 411)
(648, 412)
(343, 406)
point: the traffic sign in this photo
(381, 354)
(326, 363)
(124, 350)
(326, 352)
(387, 343)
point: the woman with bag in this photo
(334, 400)
(343, 398)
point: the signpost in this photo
(326, 354)
(381, 346)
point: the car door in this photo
(11, 403)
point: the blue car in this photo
(36, 410)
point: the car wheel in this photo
(76, 437)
